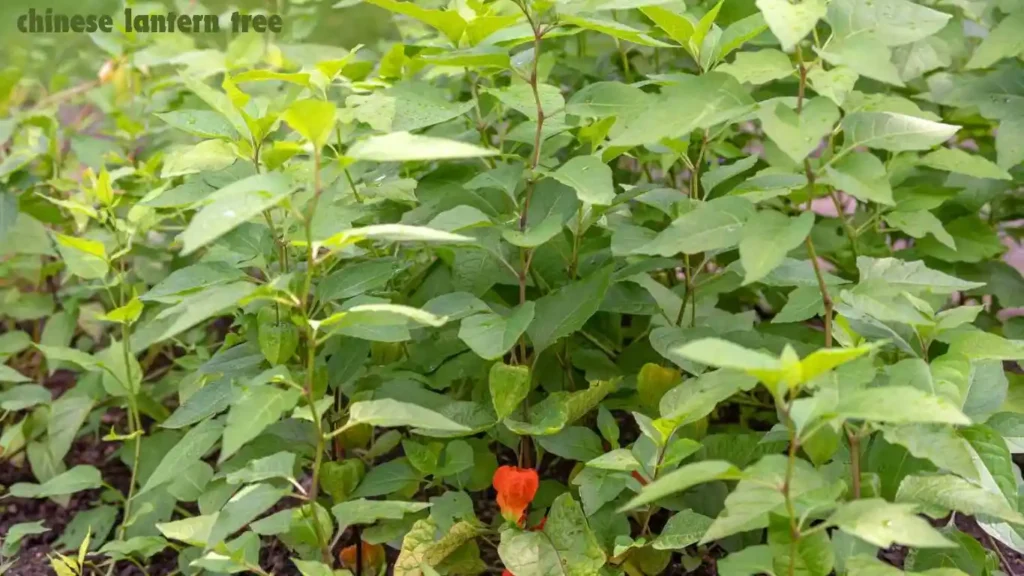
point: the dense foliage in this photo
(554, 287)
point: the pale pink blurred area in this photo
(826, 207)
(1014, 254)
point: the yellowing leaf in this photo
(314, 119)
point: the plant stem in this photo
(645, 526)
(526, 257)
(851, 234)
(794, 445)
(134, 424)
(811, 252)
(134, 419)
(314, 489)
(310, 253)
(825, 298)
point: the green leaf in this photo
(866, 55)
(863, 176)
(313, 119)
(202, 123)
(312, 568)
(245, 506)
(883, 524)
(72, 355)
(802, 303)
(258, 407)
(81, 477)
(682, 478)
(363, 511)
(84, 258)
(448, 22)
(188, 451)
(509, 386)
(725, 354)
(1003, 41)
(758, 494)
(767, 237)
(612, 28)
(479, 57)
(947, 492)
(207, 156)
(1010, 142)
(406, 147)
(394, 233)
(370, 315)
(211, 399)
(919, 224)
(279, 465)
(590, 177)
(387, 478)
(899, 404)
(700, 32)
(407, 106)
(231, 206)
(760, 67)
(194, 530)
(8, 374)
(1009, 425)
(799, 134)
(679, 27)
(791, 22)
(621, 460)
(573, 443)
(491, 335)
(8, 213)
(894, 132)
(299, 79)
(750, 561)
(712, 225)
(191, 279)
(391, 413)
(126, 314)
(737, 34)
(565, 311)
(691, 103)
(17, 532)
(960, 162)
(723, 172)
(995, 459)
(697, 397)
(913, 277)
(683, 529)
(545, 417)
(806, 555)
(219, 102)
(190, 311)
(894, 22)
(835, 84)
(935, 442)
(603, 99)
(978, 345)
(565, 546)
(420, 552)
(520, 97)
(21, 397)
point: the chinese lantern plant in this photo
(580, 287)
